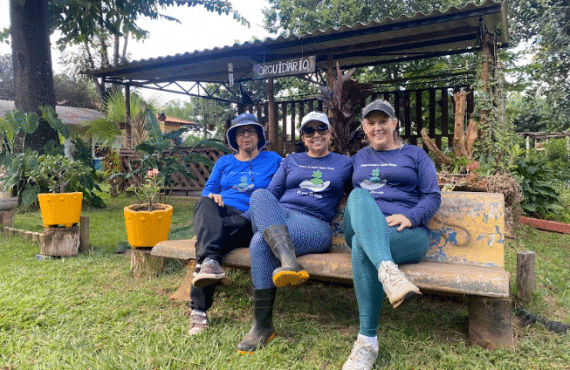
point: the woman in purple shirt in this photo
(291, 218)
(385, 222)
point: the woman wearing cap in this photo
(385, 222)
(291, 218)
(217, 214)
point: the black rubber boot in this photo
(290, 272)
(262, 331)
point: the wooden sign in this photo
(289, 67)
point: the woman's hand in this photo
(217, 198)
(398, 219)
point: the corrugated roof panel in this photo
(390, 40)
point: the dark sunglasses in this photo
(310, 131)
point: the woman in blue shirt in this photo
(217, 214)
(291, 218)
(385, 222)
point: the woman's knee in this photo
(358, 196)
(260, 195)
(203, 204)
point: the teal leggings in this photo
(373, 241)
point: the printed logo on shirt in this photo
(243, 186)
(375, 182)
(316, 184)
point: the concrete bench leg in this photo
(183, 293)
(490, 323)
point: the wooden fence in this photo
(181, 183)
(432, 108)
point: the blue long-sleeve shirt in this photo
(235, 180)
(401, 181)
(313, 186)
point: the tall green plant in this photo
(535, 177)
(19, 164)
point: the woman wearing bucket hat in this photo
(385, 222)
(291, 218)
(218, 222)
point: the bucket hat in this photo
(245, 119)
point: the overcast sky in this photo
(198, 30)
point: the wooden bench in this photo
(466, 256)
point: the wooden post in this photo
(84, 234)
(330, 71)
(127, 142)
(525, 275)
(144, 264)
(272, 119)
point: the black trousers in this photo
(219, 230)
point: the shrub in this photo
(536, 178)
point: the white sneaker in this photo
(198, 322)
(397, 287)
(362, 357)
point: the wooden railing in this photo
(426, 107)
(431, 108)
(181, 183)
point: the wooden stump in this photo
(7, 217)
(60, 242)
(143, 264)
(525, 275)
(490, 324)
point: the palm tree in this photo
(106, 130)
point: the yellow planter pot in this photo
(144, 228)
(60, 209)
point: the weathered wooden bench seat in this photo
(466, 256)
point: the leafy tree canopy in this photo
(288, 17)
(545, 26)
(80, 20)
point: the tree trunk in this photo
(31, 59)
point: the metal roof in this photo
(68, 115)
(454, 31)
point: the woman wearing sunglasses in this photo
(385, 222)
(291, 218)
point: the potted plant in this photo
(152, 175)
(148, 222)
(56, 173)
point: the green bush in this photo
(556, 150)
(536, 178)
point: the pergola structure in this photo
(467, 29)
(545, 136)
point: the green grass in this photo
(86, 312)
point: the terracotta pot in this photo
(144, 228)
(60, 209)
